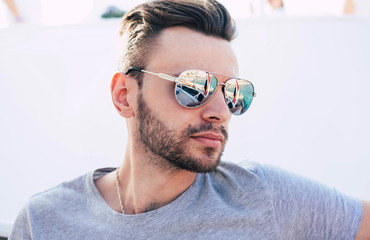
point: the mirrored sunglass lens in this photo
(195, 88)
(238, 95)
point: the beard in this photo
(172, 147)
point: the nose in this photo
(216, 110)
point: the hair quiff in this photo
(140, 26)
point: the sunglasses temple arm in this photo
(163, 76)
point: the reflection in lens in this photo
(238, 95)
(195, 88)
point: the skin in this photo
(11, 5)
(276, 3)
(146, 179)
(349, 7)
(364, 230)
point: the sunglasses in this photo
(194, 88)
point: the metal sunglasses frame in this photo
(176, 79)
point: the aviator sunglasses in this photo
(194, 88)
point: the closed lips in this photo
(212, 136)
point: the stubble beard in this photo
(173, 149)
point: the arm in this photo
(364, 230)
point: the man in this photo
(177, 89)
(13, 9)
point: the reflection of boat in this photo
(197, 83)
(187, 95)
(192, 91)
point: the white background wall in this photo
(311, 114)
(61, 12)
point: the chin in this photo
(206, 163)
(208, 168)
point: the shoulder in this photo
(67, 191)
(274, 176)
(302, 207)
(257, 175)
(244, 179)
(46, 208)
(247, 171)
(246, 167)
(56, 205)
(64, 193)
(68, 195)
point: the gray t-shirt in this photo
(234, 202)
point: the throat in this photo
(152, 206)
(144, 209)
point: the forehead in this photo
(179, 48)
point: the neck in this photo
(144, 183)
(147, 185)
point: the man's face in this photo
(191, 139)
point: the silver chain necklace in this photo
(119, 192)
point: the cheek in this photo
(162, 98)
(169, 100)
(162, 101)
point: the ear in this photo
(120, 90)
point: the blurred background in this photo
(57, 12)
(308, 59)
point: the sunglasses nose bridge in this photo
(216, 106)
(222, 88)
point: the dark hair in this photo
(140, 26)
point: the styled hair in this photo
(140, 27)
